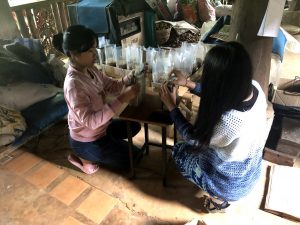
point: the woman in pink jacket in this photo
(95, 138)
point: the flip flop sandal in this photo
(214, 207)
(88, 169)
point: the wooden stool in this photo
(149, 112)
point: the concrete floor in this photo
(38, 186)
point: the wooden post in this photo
(8, 26)
(245, 22)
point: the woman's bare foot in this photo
(84, 165)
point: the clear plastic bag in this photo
(121, 57)
(134, 58)
(162, 66)
(110, 54)
(140, 80)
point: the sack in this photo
(206, 11)
(188, 10)
(172, 34)
(12, 123)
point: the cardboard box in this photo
(117, 20)
(286, 98)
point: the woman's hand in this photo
(129, 79)
(129, 93)
(180, 78)
(168, 98)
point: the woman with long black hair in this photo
(222, 150)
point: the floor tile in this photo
(69, 189)
(44, 175)
(71, 221)
(97, 205)
(22, 163)
(23, 203)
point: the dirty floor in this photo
(39, 187)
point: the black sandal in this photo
(213, 207)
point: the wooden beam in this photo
(57, 17)
(63, 15)
(278, 157)
(23, 26)
(31, 23)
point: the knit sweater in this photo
(231, 165)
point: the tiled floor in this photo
(36, 183)
(39, 187)
(34, 191)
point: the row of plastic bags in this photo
(160, 61)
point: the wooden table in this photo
(150, 111)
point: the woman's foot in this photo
(87, 168)
(214, 205)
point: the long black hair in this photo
(76, 38)
(226, 82)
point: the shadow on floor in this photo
(52, 146)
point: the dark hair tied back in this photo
(76, 38)
(58, 42)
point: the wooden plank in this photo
(249, 216)
(288, 148)
(35, 12)
(21, 20)
(63, 15)
(291, 130)
(58, 23)
(31, 23)
(278, 157)
(289, 142)
(32, 4)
